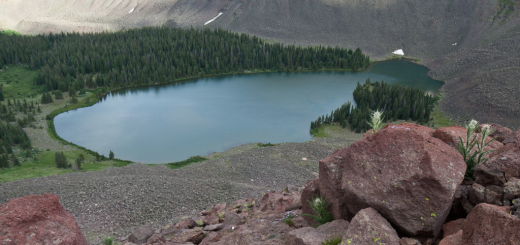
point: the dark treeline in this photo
(13, 134)
(156, 55)
(396, 101)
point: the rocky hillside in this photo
(403, 185)
(471, 45)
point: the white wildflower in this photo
(486, 130)
(472, 124)
(377, 115)
(317, 201)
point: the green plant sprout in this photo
(377, 120)
(471, 141)
(321, 207)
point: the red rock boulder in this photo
(489, 224)
(369, 227)
(454, 239)
(450, 135)
(406, 175)
(452, 227)
(513, 138)
(309, 193)
(331, 173)
(500, 133)
(38, 220)
(507, 160)
(276, 201)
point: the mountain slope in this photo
(471, 44)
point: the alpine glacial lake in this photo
(170, 123)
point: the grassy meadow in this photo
(19, 83)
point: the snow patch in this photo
(398, 52)
(454, 44)
(131, 10)
(209, 21)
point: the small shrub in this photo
(321, 207)
(199, 222)
(271, 237)
(288, 220)
(332, 241)
(108, 240)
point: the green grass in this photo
(10, 32)
(191, 160)
(42, 164)
(266, 145)
(439, 120)
(320, 131)
(19, 82)
(332, 241)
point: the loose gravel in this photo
(118, 200)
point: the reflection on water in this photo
(168, 123)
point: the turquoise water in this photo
(169, 123)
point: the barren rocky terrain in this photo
(116, 201)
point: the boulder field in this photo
(403, 185)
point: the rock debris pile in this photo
(403, 185)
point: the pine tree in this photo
(111, 155)
(15, 161)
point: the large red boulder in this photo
(450, 135)
(489, 224)
(406, 175)
(331, 171)
(38, 220)
(507, 160)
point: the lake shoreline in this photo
(225, 111)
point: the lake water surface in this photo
(169, 123)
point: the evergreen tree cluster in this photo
(47, 98)
(397, 102)
(156, 55)
(4, 161)
(61, 160)
(13, 134)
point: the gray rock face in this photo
(494, 195)
(369, 227)
(512, 189)
(408, 176)
(409, 241)
(476, 194)
(141, 235)
(231, 218)
(315, 236)
(213, 227)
